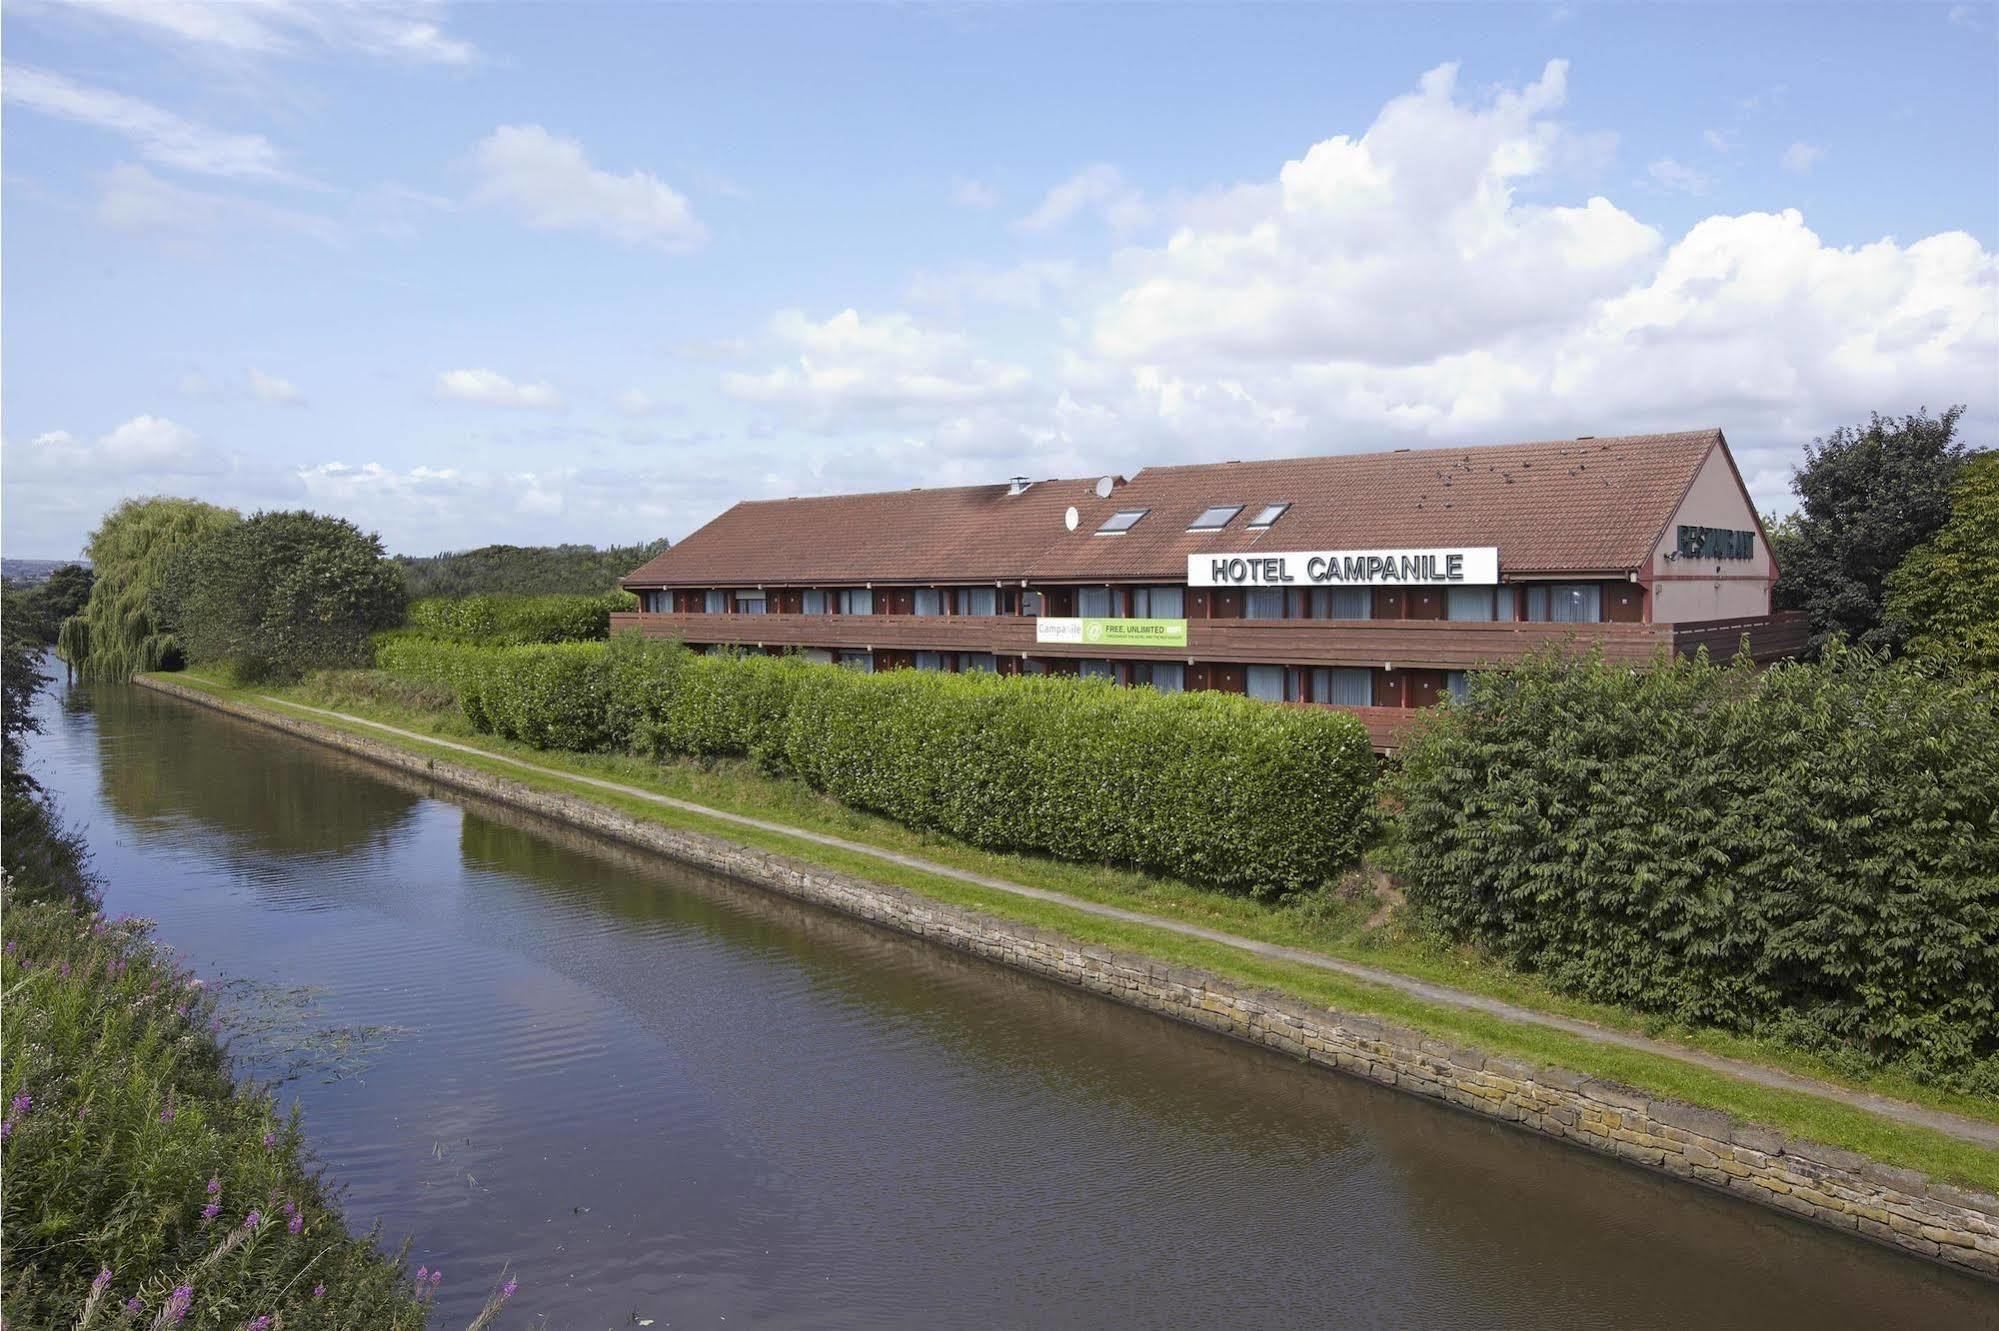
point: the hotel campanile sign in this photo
(1460, 566)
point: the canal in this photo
(661, 1095)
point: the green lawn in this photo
(1334, 924)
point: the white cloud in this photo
(493, 389)
(1678, 177)
(1723, 141)
(968, 193)
(636, 402)
(144, 446)
(1101, 189)
(851, 366)
(404, 30)
(1801, 157)
(549, 183)
(278, 392)
(1026, 286)
(1963, 16)
(131, 198)
(159, 135)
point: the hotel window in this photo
(1268, 683)
(1504, 599)
(930, 660)
(861, 661)
(1216, 518)
(1122, 521)
(855, 600)
(813, 602)
(1468, 603)
(1030, 603)
(716, 603)
(1095, 669)
(1159, 603)
(1166, 676)
(749, 603)
(1266, 515)
(1033, 665)
(1343, 687)
(1342, 603)
(983, 663)
(1565, 603)
(1458, 684)
(1095, 603)
(928, 601)
(1263, 603)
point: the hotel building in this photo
(1371, 581)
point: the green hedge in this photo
(1809, 852)
(519, 619)
(1206, 786)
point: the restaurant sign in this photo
(1111, 632)
(1476, 566)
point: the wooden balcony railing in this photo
(1401, 643)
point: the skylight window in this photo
(1268, 514)
(1216, 518)
(1122, 521)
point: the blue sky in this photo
(588, 272)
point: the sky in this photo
(594, 272)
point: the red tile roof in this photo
(1567, 506)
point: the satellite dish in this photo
(1105, 485)
(1071, 518)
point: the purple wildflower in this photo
(507, 1290)
(319, 1291)
(288, 1208)
(297, 1223)
(210, 1211)
(63, 970)
(270, 1140)
(422, 1274)
(6, 1129)
(214, 1186)
(177, 1303)
(135, 1305)
(19, 1106)
(261, 1323)
(436, 1278)
(252, 1220)
(167, 1114)
(103, 1279)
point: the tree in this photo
(119, 631)
(1869, 494)
(40, 857)
(283, 593)
(1944, 599)
(531, 570)
(43, 606)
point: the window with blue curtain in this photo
(1343, 687)
(1094, 669)
(1263, 603)
(716, 603)
(814, 602)
(978, 601)
(1095, 602)
(1468, 603)
(1266, 683)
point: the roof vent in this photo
(1581, 437)
(1018, 485)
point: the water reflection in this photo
(654, 1090)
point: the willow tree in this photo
(121, 631)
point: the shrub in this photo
(124, 1128)
(1239, 794)
(519, 619)
(1811, 846)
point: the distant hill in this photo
(28, 572)
(527, 570)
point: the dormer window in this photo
(1122, 521)
(1216, 518)
(1266, 515)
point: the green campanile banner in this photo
(1112, 632)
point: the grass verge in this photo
(1335, 926)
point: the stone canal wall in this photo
(1833, 1187)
